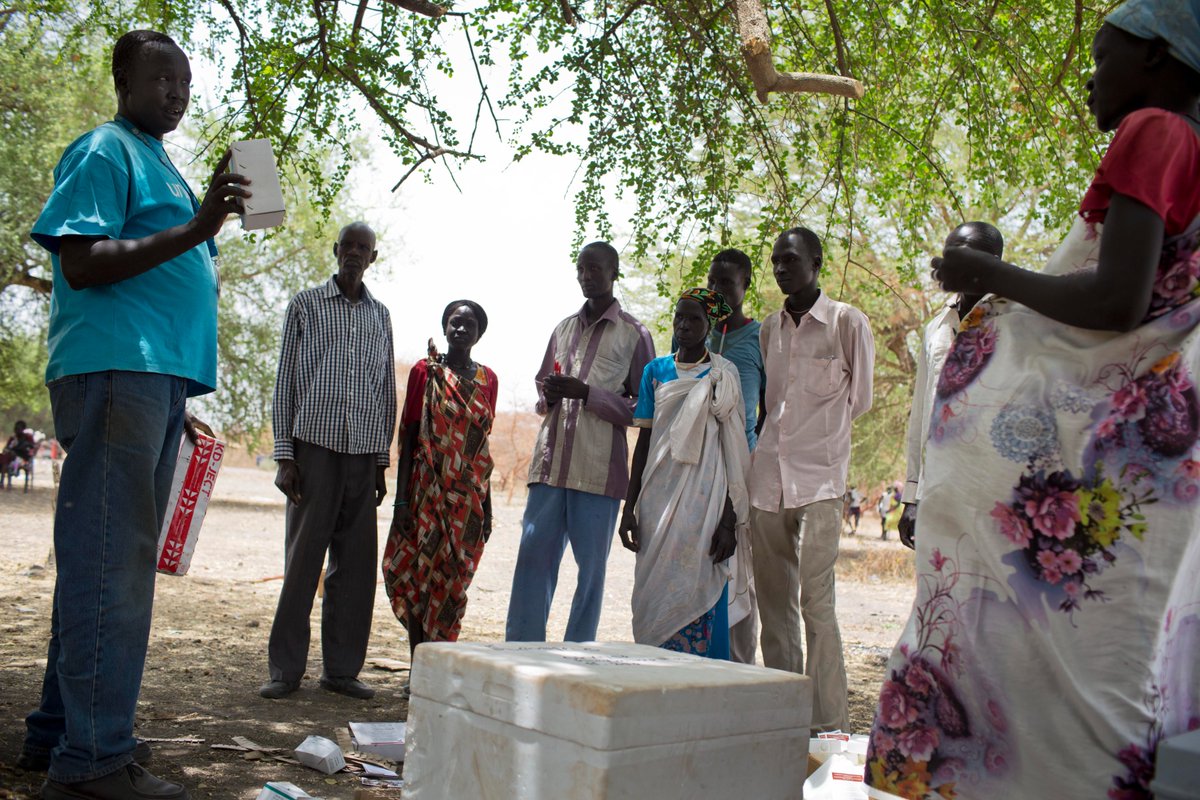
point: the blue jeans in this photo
(122, 431)
(553, 517)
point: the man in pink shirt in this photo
(817, 355)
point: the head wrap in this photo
(476, 309)
(1175, 21)
(715, 307)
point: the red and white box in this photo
(195, 473)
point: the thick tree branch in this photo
(568, 11)
(358, 22)
(423, 7)
(756, 49)
(21, 277)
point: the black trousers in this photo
(336, 514)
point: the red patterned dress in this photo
(428, 569)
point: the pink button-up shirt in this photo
(818, 382)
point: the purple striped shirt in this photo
(582, 445)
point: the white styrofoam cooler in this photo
(601, 720)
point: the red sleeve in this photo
(492, 390)
(1155, 160)
(414, 395)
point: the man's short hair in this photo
(130, 46)
(739, 259)
(992, 239)
(357, 224)
(606, 251)
(812, 242)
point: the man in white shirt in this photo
(818, 356)
(935, 344)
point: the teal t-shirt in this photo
(114, 183)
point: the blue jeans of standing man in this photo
(122, 431)
(554, 516)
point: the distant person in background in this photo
(736, 338)
(819, 355)
(854, 501)
(687, 490)
(334, 414)
(889, 508)
(443, 507)
(935, 343)
(587, 389)
(18, 453)
(133, 334)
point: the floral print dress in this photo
(1055, 637)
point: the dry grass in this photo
(868, 562)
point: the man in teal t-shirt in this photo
(132, 335)
(736, 338)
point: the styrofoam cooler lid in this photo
(610, 695)
(1177, 768)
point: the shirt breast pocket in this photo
(608, 373)
(822, 376)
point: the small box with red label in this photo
(195, 473)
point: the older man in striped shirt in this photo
(334, 415)
(579, 471)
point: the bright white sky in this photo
(504, 241)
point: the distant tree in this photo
(49, 95)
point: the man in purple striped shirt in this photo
(587, 390)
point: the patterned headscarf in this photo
(715, 307)
(1176, 21)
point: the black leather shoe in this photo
(351, 687)
(274, 690)
(37, 761)
(129, 783)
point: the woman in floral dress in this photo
(1055, 637)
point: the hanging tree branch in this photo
(756, 49)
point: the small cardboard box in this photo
(321, 754)
(281, 790)
(195, 473)
(255, 159)
(380, 738)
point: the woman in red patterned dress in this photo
(443, 504)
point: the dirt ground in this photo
(208, 646)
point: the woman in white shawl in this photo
(687, 507)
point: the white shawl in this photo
(698, 455)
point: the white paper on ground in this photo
(839, 778)
(373, 771)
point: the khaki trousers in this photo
(795, 550)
